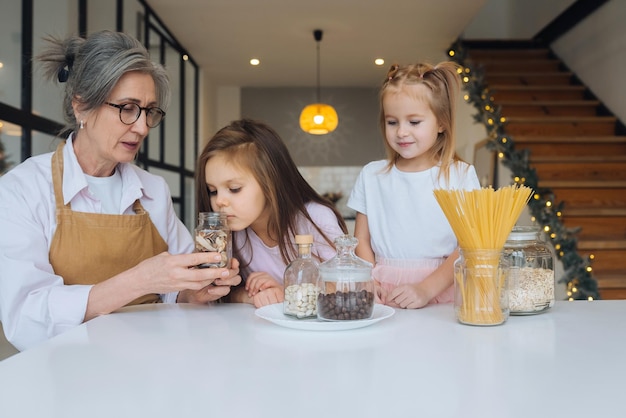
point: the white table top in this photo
(222, 360)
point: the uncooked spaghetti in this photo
(481, 219)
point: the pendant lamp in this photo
(318, 118)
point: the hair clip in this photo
(63, 75)
(393, 70)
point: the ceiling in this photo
(223, 35)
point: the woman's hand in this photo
(263, 289)
(165, 273)
(214, 291)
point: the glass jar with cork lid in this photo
(300, 281)
(531, 262)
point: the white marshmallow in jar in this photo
(531, 263)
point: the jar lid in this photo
(523, 233)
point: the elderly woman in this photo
(84, 230)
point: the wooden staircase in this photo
(577, 148)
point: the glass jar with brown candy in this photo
(346, 285)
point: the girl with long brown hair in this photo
(246, 172)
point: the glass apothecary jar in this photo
(531, 271)
(300, 280)
(346, 284)
(480, 287)
(213, 235)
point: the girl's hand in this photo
(263, 289)
(269, 296)
(380, 293)
(216, 290)
(259, 281)
(409, 296)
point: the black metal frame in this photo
(30, 122)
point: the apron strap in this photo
(57, 177)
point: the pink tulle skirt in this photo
(391, 273)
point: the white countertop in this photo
(222, 360)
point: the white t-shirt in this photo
(108, 190)
(404, 218)
(268, 259)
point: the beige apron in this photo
(88, 248)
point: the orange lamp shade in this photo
(318, 119)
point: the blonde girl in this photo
(399, 224)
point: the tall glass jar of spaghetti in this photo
(480, 287)
(531, 271)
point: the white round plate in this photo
(274, 313)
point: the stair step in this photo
(549, 108)
(611, 281)
(597, 227)
(581, 171)
(561, 125)
(529, 78)
(606, 261)
(611, 285)
(576, 158)
(571, 146)
(597, 212)
(501, 92)
(612, 294)
(571, 139)
(524, 64)
(602, 244)
(614, 184)
(578, 198)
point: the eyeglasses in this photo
(130, 112)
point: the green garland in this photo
(577, 271)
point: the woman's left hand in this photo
(216, 290)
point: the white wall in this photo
(595, 51)
(229, 109)
(514, 19)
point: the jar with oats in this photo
(531, 264)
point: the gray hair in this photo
(90, 68)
